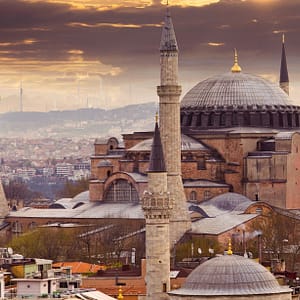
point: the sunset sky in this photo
(69, 54)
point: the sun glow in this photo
(108, 4)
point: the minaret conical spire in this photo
(4, 210)
(157, 161)
(168, 40)
(284, 75)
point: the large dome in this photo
(235, 90)
(230, 275)
(238, 99)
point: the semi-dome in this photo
(238, 99)
(230, 275)
(187, 144)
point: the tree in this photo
(50, 243)
(101, 241)
(18, 190)
(280, 236)
(107, 241)
(73, 188)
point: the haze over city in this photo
(74, 54)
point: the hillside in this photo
(83, 122)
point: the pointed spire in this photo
(4, 210)
(236, 68)
(157, 161)
(284, 75)
(168, 39)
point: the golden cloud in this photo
(23, 42)
(214, 44)
(279, 31)
(108, 4)
(75, 52)
(115, 25)
(197, 3)
(98, 4)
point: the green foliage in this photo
(87, 243)
(73, 188)
(50, 243)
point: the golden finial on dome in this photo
(120, 296)
(229, 251)
(236, 68)
(156, 117)
(283, 38)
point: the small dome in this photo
(230, 201)
(230, 275)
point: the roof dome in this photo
(230, 201)
(235, 89)
(228, 100)
(230, 275)
(187, 144)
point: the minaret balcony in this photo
(169, 90)
(156, 202)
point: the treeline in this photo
(20, 190)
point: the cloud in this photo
(214, 44)
(118, 41)
(114, 25)
(23, 42)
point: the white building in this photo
(64, 169)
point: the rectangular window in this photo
(164, 287)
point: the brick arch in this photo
(121, 188)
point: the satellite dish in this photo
(199, 251)
(10, 251)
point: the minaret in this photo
(4, 210)
(21, 97)
(157, 206)
(284, 75)
(169, 92)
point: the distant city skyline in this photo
(99, 53)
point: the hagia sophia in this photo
(217, 159)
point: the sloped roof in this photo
(85, 211)
(79, 267)
(224, 212)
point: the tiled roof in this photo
(79, 267)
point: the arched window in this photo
(32, 225)
(207, 195)
(17, 227)
(121, 191)
(193, 196)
